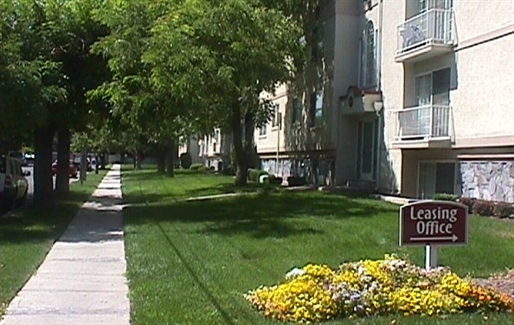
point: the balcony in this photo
(426, 35)
(424, 127)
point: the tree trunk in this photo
(43, 181)
(249, 140)
(237, 141)
(171, 155)
(138, 158)
(102, 160)
(62, 182)
(83, 165)
(161, 163)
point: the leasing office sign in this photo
(433, 223)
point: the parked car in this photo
(13, 184)
(30, 158)
(77, 161)
(72, 169)
(18, 155)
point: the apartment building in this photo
(191, 145)
(415, 98)
(213, 150)
(448, 84)
(331, 121)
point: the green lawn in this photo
(27, 235)
(191, 262)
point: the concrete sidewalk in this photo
(82, 279)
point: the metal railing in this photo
(424, 123)
(434, 26)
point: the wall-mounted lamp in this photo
(378, 106)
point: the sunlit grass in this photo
(191, 262)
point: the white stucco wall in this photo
(483, 101)
(393, 89)
(482, 75)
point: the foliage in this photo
(483, 208)
(255, 174)
(296, 181)
(26, 67)
(469, 202)
(196, 166)
(446, 197)
(219, 71)
(503, 209)
(152, 117)
(186, 160)
(316, 293)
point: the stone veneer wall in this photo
(488, 180)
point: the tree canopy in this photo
(148, 72)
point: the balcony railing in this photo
(424, 123)
(433, 27)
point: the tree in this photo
(219, 70)
(155, 117)
(45, 70)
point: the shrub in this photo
(483, 208)
(446, 197)
(275, 180)
(254, 174)
(196, 166)
(296, 181)
(186, 160)
(469, 202)
(503, 209)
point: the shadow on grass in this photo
(258, 215)
(209, 186)
(31, 224)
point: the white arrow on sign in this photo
(453, 238)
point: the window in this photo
(276, 116)
(425, 5)
(433, 99)
(437, 177)
(297, 110)
(433, 88)
(368, 57)
(316, 109)
(263, 130)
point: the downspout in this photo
(379, 86)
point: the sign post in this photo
(432, 224)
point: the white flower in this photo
(296, 272)
(361, 270)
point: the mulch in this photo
(503, 282)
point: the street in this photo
(30, 180)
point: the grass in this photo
(27, 235)
(191, 262)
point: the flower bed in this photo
(318, 293)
